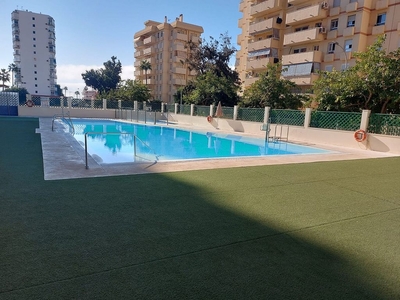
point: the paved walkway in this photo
(64, 158)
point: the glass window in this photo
(331, 47)
(351, 21)
(381, 19)
(334, 24)
(348, 45)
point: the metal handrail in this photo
(119, 133)
(68, 121)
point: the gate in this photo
(9, 104)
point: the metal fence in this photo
(287, 117)
(384, 124)
(251, 114)
(336, 120)
(201, 110)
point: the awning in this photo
(297, 70)
(265, 51)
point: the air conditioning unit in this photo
(324, 5)
(322, 30)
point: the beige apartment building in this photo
(163, 45)
(309, 35)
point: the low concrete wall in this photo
(340, 138)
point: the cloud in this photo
(71, 75)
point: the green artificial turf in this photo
(326, 230)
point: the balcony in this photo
(259, 63)
(305, 36)
(265, 6)
(149, 81)
(334, 11)
(149, 40)
(179, 70)
(17, 58)
(178, 59)
(332, 35)
(348, 31)
(305, 80)
(298, 58)
(138, 43)
(178, 47)
(249, 81)
(308, 14)
(378, 29)
(181, 36)
(352, 6)
(296, 2)
(240, 23)
(240, 39)
(381, 4)
(178, 81)
(149, 51)
(263, 26)
(262, 44)
(242, 5)
(137, 53)
(137, 73)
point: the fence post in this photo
(176, 108)
(266, 114)
(235, 112)
(135, 105)
(191, 109)
(91, 103)
(69, 102)
(365, 119)
(162, 107)
(119, 104)
(104, 104)
(307, 117)
(144, 106)
(211, 109)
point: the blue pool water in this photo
(171, 144)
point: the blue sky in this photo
(89, 32)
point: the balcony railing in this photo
(304, 36)
(263, 26)
(137, 53)
(149, 40)
(148, 51)
(311, 13)
(179, 70)
(259, 63)
(178, 47)
(305, 80)
(264, 6)
(262, 44)
(312, 56)
(181, 36)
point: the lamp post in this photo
(345, 55)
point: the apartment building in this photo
(308, 35)
(34, 52)
(163, 45)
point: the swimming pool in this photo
(164, 143)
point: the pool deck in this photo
(64, 158)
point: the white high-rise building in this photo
(34, 52)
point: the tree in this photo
(133, 90)
(13, 68)
(104, 79)
(373, 83)
(215, 80)
(77, 94)
(4, 76)
(145, 66)
(65, 91)
(272, 90)
(58, 90)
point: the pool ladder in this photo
(135, 140)
(278, 132)
(66, 120)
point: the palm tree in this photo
(13, 68)
(65, 91)
(4, 76)
(77, 94)
(144, 66)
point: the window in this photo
(348, 45)
(301, 28)
(34, 32)
(35, 85)
(319, 24)
(300, 50)
(334, 24)
(35, 78)
(35, 72)
(33, 25)
(34, 52)
(34, 45)
(33, 18)
(34, 66)
(331, 47)
(34, 39)
(316, 48)
(381, 19)
(328, 68)
(351, 21)
(336, 3)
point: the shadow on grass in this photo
(147, 237)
